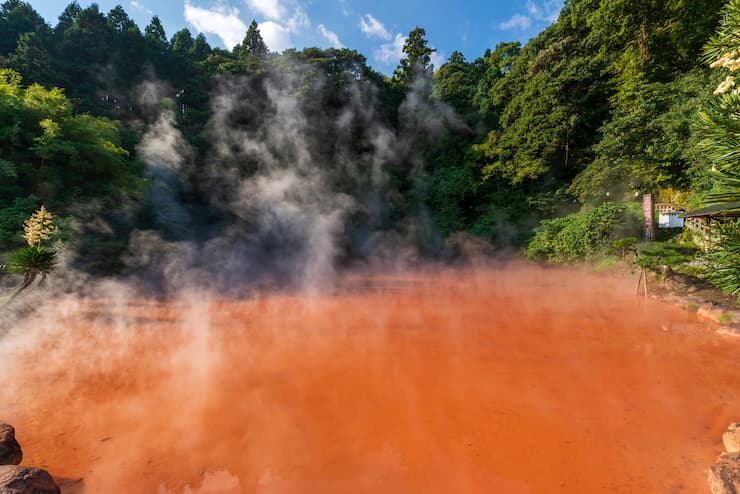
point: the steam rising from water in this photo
(287, 188)
(427, 382)
(422, 382)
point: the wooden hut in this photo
(703, 222)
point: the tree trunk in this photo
(27, 281)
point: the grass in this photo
(605, 263)
(725, 318)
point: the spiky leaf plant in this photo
(723, 263)
(720, 121)
(720, 126)
(32, 260)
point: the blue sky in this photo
(377, 28)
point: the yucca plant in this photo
(34, 259)
(31, 261)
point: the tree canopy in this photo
(599, 106)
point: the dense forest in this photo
(143, 144)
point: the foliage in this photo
(624, 245)
(253, 44)
(597, 107)
(30, 259)
(723, 261)
(417, 58)
(54, 153)
(652, 255)
(12, 218)
(719, 121)
(34, 259)
(581, 235)
(456, 84)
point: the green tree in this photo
(55, 153)
(67, 18)
(417, 58)
(456, 83)
(720, 129)
(201, 49)
(119, 20)
(16, 18)
(155, 35)
(182, 42)
(253, 45)
(718, 122)
(32, 58)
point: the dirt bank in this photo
(512, 380)
(688, 293)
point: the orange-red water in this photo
(489, 381)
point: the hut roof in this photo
(725, 210)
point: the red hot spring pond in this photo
(512, 380)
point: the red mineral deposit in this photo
(496, 380)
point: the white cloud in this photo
(276, 36)
(537, 10)
(330, 36)
(517, 21)
(140, 6)
(372, 27)
(280, 24)
(437, 60)
(392, 51)
(546, 10)
(271, 9)
(298, 21)
(223, 22)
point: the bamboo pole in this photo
(642, 281)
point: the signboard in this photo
(670, 220)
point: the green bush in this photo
(34, 259)
(651, 255)
(12, 218)
(624, 245)
(723, 262)
(584, 234)
(605, 263)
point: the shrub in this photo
(624, 245)
(723, 262)
(31, 259)
(581, 235)
(12, 218)
(654, 254)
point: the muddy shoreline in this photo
(692, 295)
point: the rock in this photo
(724, 475)
(26, 480)
(731, 438)
(705, 311)
(10, 450)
